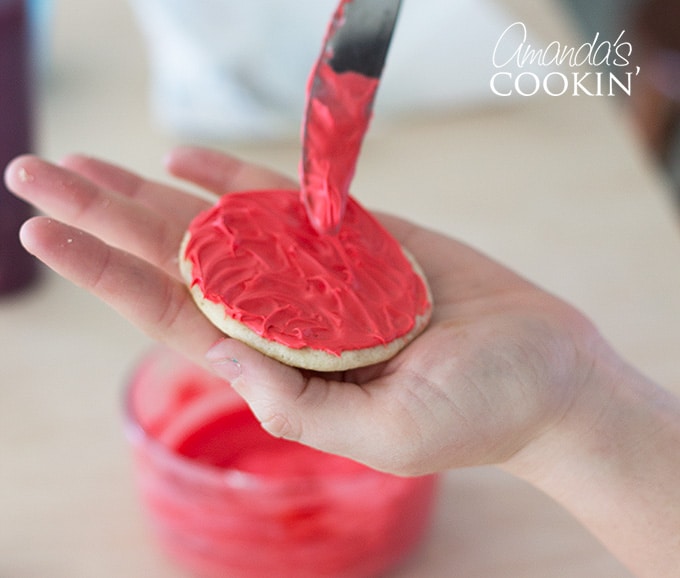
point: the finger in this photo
(222, 173)
(157, 304)
(119, 221)
(333, 416)
(165, 200)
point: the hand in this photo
(499, 363)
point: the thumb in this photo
(324, 414)
(266, 385)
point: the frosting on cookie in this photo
(258, 256)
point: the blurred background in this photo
(655, 27)
(233, 71)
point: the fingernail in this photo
(223, 362)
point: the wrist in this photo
(600, 381)
(611, 460)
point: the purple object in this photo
(17, 268)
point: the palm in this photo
(477, 384)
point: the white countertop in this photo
(555, 187)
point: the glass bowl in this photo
(226, 499)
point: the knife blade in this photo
(340, 95)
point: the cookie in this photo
(261, 273)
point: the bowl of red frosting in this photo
(224, 498)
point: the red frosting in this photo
(337, 119)
(257, 255)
